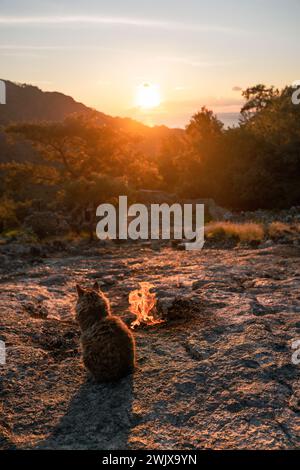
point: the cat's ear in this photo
(80, 290)
(96, 286)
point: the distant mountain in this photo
(28, 103)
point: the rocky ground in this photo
(217, 374)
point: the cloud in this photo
(31, 20)
(193, 62)
(112, 21)
(237, 88)
(19, 54)
(21, 47)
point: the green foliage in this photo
(255, 165)
(83, 163)
(79, 145)
(257, 98)
(8, 218)
(23, 181)
(84, 192)
(12, 213)
(44, 224)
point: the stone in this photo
(214, 375)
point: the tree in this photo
(76, 146)
(170, 162)
(27, 181)
(204, 126)
(257, 98)
(203, 135)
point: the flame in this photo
(142, 301)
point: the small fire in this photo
(142, 302)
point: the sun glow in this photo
(148, 96)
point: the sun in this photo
(148, 96)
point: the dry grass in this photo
(243, 232)
(279, 229)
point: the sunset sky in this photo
(194, 53)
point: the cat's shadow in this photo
(99, 416)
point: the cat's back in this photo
(111, 329)
(108, 349)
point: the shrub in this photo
(8, 217)
(279, 229)
(12, 213)
(45, 224)
(244, 232)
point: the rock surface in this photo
(221, 377)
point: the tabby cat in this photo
(108, 345)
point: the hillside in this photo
(29, 103)
(26, 103)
